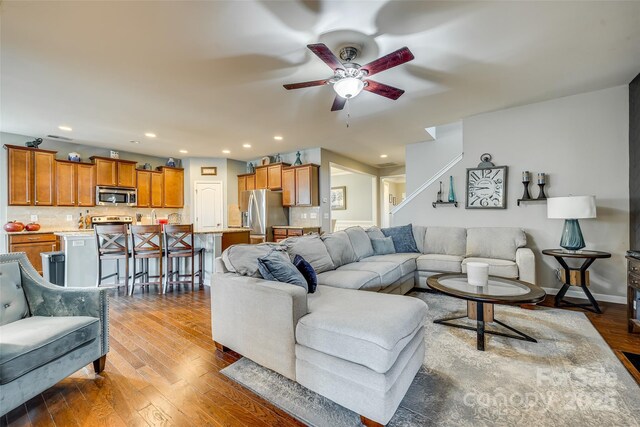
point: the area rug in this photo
(569, 378)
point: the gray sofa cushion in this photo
(243, 259)
(375, 233)
(497, 267)
(383, 246)
(445, 241)
(419, 232)
(312, 249)
(351, 279)
(495, 242)
(389, 272)
(339, 247)
(439, 263)
(366, 328)
(406, 261)
(13, 303)
(360, 242)
(35, 341)
(402, 236)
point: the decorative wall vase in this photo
(452, 194)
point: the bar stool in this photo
(146, 244)
(113, 244)
(179, 243)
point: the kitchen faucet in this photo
(154, 217)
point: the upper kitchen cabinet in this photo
(269, 176)
(75, 183)
(300, 185)
(126, 173)
(157, 188)
(106, 171)
(149, 184)
(114, 172)
(31, 176)
(173, 188)
(246, 182)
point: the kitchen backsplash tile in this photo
(52, 218)
(305, 217)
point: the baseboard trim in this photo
(579, 294)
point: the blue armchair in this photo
(47, 332)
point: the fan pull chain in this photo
(348, 112)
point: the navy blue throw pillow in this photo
(277, 266)
(307, 272)
(402, 237)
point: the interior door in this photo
(208, 206)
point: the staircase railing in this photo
(426, 184)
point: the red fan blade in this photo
(391, 60)
(383, 90)
(305, 84)
(323, 52)
(338, 103)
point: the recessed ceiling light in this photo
(383, 156)
(134, 142)
(66, 128)
(150, 135)
(184, 151)
(246, 145)
(226, 151)
(278, 138)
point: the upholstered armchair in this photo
(47, 332)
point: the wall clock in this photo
(487, 187)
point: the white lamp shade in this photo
(348, 87)
(571, 207)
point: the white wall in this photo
(360, 197)
(582, 142)
(425, 159)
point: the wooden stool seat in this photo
(146, 244)
(179, 243)
(113, 244)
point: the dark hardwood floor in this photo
(163, 369)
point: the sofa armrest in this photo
(46, 299)
(257, 318)
(526, 261)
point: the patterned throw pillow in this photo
(402, 238)
(307, 272)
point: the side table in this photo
(589, 257)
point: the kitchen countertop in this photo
(76, 232)
(297, 227)
(42, 231)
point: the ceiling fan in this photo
(350, 79)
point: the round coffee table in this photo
(481, 299)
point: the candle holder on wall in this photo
(526, 196)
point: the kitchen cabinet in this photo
(269, 176)
(106, 171)
(300, 185)
(75, 184)
(67, 179)
(173, 188)
(143, 179)
(246, 182)
(281, 233)
(31, 176)
(251, 182)
(126, 173)
(157, 189)
(33, 245)
(86, 186)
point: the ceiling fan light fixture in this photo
(348, 87)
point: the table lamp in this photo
(571, 208)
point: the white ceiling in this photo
(207, 76)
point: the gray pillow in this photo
(243, 259)
(339, 248)
(375, 233)
(495, 242)
(312, 249)
(277, 266)
(419, 232)
(402, 238)
(383, 246)
(360, 242)
(445, 241)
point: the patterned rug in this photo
(569, 378)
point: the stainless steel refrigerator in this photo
(261, 210)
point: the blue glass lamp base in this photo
(572, 239)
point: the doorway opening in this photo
(354, 198)
(394, 191)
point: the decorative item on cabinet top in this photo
(73, 157)
(33, 144)
(487, 185)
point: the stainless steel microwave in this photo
(116, 196)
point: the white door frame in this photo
(195, 198)
(374, 190)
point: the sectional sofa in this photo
(359, 349)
